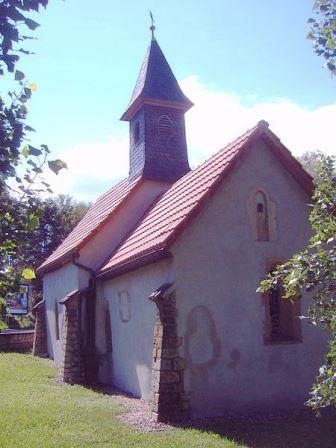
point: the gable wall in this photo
(101, 246)
(56, 285)
(217, 267)
(132, 318)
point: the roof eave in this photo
(56, 264)
(142, 101)
(130, 265)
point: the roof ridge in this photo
(172, 212)
(221, 151)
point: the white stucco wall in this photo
(103, 243)
(216, 269)
(56, 285)
(132, 322)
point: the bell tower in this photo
(158, 148)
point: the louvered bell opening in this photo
(165, 126)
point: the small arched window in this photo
(261, 217)
(262, 213)
(165, 126)
(136, 133)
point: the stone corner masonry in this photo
(71, 369)
(169, 402)
(40, 334)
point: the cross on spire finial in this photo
(152, 27)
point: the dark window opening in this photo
(283, 315)
(260, 207)
(136, 133)
(165, 126)
(108, 332)
(57, 332)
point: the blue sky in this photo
(238, 60)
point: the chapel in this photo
(154, 291)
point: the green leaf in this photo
(45, 147)
(33, 222)
(27, 92)
(9, 217)
(25, 151)
(31, 24)
(29, 128)
(34, 151)
(331, 43)
(19, 76)
(56, 165)
(28, 274)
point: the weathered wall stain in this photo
(201, 340)
(234, 359)
(202, 350)
(124, 306)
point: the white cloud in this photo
(219, 117)
(216, 119)
(92, 168)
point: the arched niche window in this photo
(261, 217)
(136, 133)
(282, 317)
(262, 214)
(165, 126)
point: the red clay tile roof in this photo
(168, 217)
(96, 216)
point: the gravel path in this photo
(138, 414)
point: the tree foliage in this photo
(313, 162)
(323, 32)
(49, 223)
(21, 163)
(57, 217)
(314, 270)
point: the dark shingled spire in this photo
(156, 84)
(158, 147)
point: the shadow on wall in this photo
(300, 430)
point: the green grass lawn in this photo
(37, 412)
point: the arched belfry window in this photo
(165, 126)
(262, 214)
